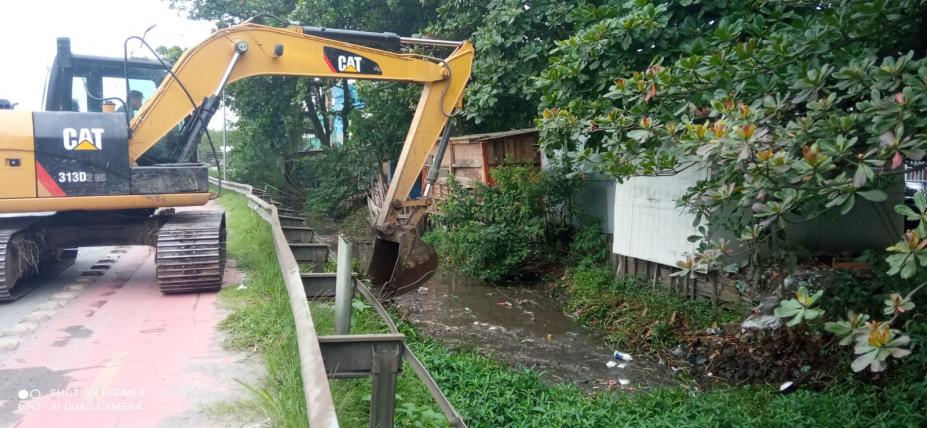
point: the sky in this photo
(29, 28)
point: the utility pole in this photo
(225, 148)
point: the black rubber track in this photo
(191, 252)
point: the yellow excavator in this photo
(82, 174)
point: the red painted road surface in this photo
(121, 354)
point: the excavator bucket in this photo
(401, 262)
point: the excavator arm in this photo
(260, 50)
(401, 261)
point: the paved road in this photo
(107, 349)
(12, 313)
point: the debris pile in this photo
(749, 356)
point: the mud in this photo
(525, 327)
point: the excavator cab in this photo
(80, 83)
(84, 83)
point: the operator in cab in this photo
(134, 102)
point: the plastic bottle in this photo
(621, 356)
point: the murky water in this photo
(524, 327)
(521, 326)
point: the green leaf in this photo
(783, 312)
(812, 313)
(874, 195)
(847, 205)
(864, 360)
(909, 268)
(907, 212)
(839, 328)
(639, 135)
(920, 201)
(791, 304)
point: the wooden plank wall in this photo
(519, 148)
(471, 160)
(716, 288)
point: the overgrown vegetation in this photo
(337, 179)
(261, 321)
(633, 313)
(490, 395)
(506, 230)
(318, 137)
(798, 110)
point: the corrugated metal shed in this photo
(647, 223)
(651, 232)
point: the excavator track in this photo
(191, 252)
(10, 270)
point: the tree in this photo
(170, 54)
(384, 121)
(276, 112)
(797, 109)
(512, 39)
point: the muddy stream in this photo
(524, 327)
(521, 326)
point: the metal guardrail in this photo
(376, 355)
(319, 403)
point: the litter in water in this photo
(621, 356)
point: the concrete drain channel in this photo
(10, 338)
(378, 356)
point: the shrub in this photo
(502, 231)
(589, 246)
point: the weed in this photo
(630, 313)
(489, 394)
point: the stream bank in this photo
(526, 328)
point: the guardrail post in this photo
(387, 361)
(343, 288)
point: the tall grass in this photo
(632, 314)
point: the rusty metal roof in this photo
(474, 138)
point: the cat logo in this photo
(342, 61)
(83, 139)
(349, 64)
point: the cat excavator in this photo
(82, 174)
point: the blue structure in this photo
(336, 94)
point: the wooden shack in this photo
(470, 158)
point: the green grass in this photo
(630, 313)
(261, 322)
(488, 394)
